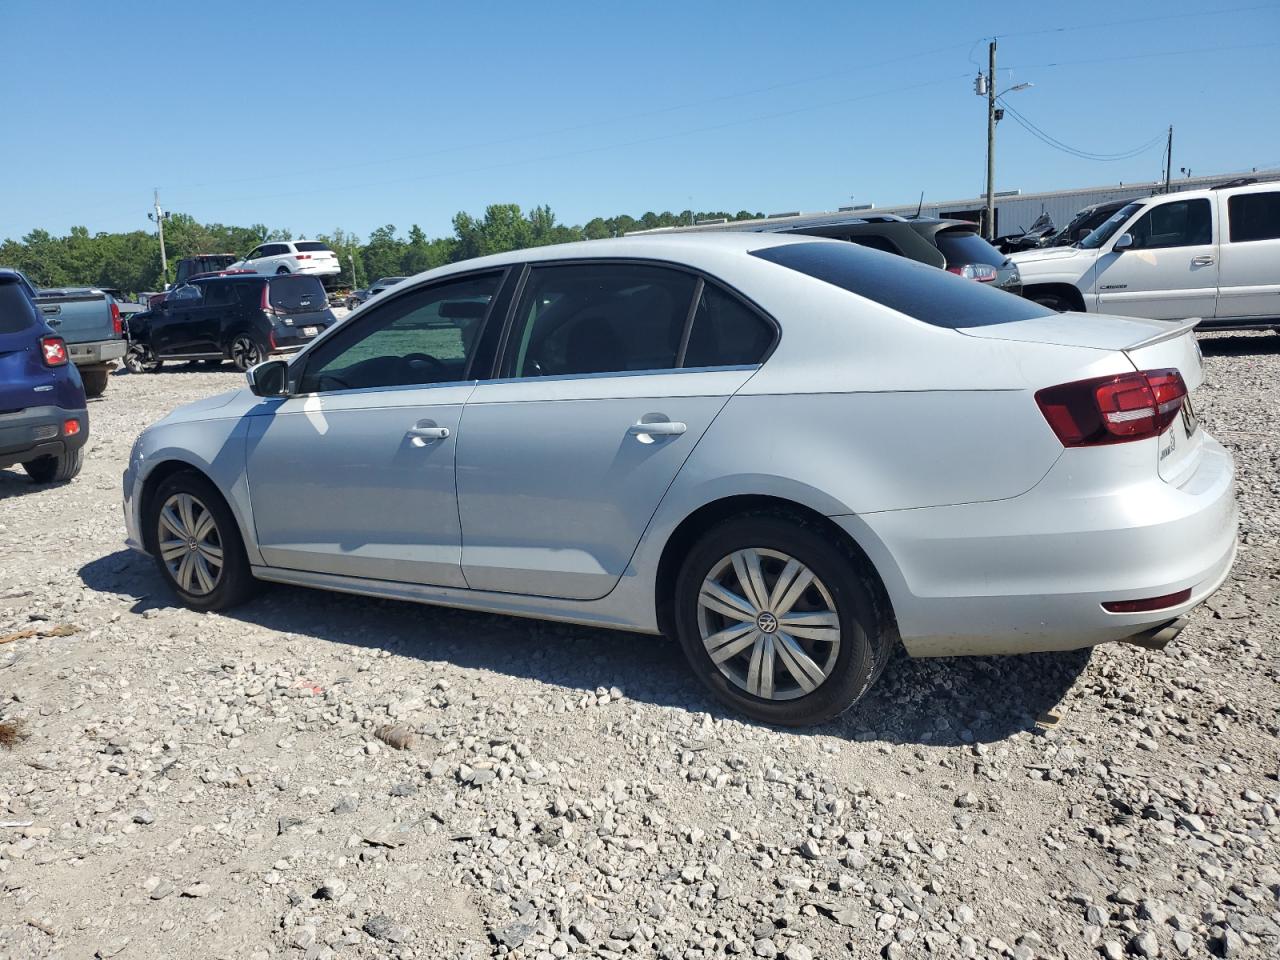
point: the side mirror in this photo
(269, 378)
(1123, 242)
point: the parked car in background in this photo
(123, 304)
(44, 422)
(241, 318)
(1084, 223)
(1035, 236)
(357, 297)
(88, 319)
(786, 451)
(202, 264)
(290, 256)
(1210, 254)
(953, 245)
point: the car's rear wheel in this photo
(196, 543)
(281, 271)
(247, 351)
(57, 469)
(95, 381)
(140, 359)
(781, 622)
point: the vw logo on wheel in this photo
(767, 622)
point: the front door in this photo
(563, 461)
(1170, 271)
(354, 474)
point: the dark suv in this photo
(43, 417)
(241, 318)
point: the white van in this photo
(1212, 254)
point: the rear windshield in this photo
(16, 310)
(965, 246)
(295, 294)
(310, 246)
(922, 292)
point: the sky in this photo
(314, 115)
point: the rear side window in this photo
(217, 294)
(309, 246)
(598, 318)
(921, 292)
(17, 312)
(1254, 216)
(726, 332)
(965, 246)
(294, 294)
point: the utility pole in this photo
(990, 219)
(1168, 159)
(159, 217)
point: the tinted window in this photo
(16, 309)
(726, 332)
(1254, 216)
(217, 294)
(1182, 223)
(922, 292)
(965, 246)
(427, 336)
(185, 295)
(598, 318)
(309, 246)
(876, 243)
(276, 249)
(255, 253)
(297, 294)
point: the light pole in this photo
(987, 85)
(160, 216)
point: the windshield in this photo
(1112, 224)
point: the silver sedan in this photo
(789, 453)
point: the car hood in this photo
(233, 403)
(1048, 254)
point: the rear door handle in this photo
(1202, 261)
(422, 433)
(657, 428)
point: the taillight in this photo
(982, 272)
(54, 351)
(267, 308)
(115, 319)
(70, 428)
(1115, 409)
(302, 256)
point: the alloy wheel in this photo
(245, 353)
(768, 624)
(190, 544)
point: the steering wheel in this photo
(413, 358)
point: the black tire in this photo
(1053, 302)
(247, 350)
(234, 582)
(140, 359)
(95, 381)
(281, 271)
(867, 630)
(57, 469)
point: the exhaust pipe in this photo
(1157, 638)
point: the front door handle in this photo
(657, 428)
(425, 432)
(1205, 261)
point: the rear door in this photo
(562, 461)
(1249, 277)
(1171, 270)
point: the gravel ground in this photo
(215, 786)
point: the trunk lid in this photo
(1148, 345)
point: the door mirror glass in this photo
(269, 379)
(1123, 242)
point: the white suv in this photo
(1211, 254)
(291, 256)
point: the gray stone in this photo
(1145, 944)
(382, 927)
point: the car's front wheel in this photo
(247, 351)
(780, 621)
(196, 543)
(281, 271)
(140, 359)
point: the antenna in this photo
(919, 206)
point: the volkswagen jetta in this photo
(787, 452)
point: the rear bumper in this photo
(39, 432)
(102, 351)
(1031, 573)
(319, 269)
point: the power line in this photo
(1057, 144)
(1144, 56)
(1136, 20)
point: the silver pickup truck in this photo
(88, 319)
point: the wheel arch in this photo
(167, 468)
(1067, 291)
(706, 516)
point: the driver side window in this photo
(427, 336)
(1181, 223)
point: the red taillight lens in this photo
(54, 351)
(71, 428)
(1127, 406)
(1149, 603)
(982, 272)
(302, 256)
(267, 308)
(115, 319)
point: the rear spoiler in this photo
(1180, 327)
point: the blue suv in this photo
(43, 420)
